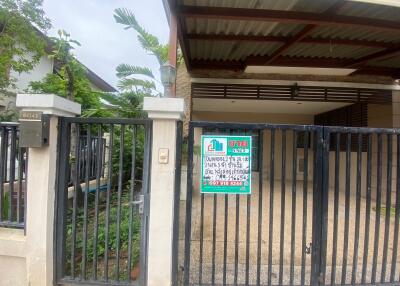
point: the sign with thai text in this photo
(225, 164)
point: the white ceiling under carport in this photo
(264, 106)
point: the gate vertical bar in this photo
(108, 198)
(118, 223)
(260, 204)
(388, 204)
(214, 238)
(368, 209)
(177, 193)
(131, 199)
(305, 207)
(335, 208)
(377, 210)
(189, 206)
(347, 208)
(97, 196)
(283, 191)
(201, 238)
(397, 214)
(75, 199)
(358, 206)
(146, 195)
(61, 196)
(317, 207)
(324, 199)
(271, 204)
(293, 219)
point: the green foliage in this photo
(8, 115)
(82, 91)
(124, 70)
(112, 245)
(126, 104)
(149, 42)
(70, 80)
(131, 77)
(21, 41)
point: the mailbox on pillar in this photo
(34, 129)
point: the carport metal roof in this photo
(232, 34)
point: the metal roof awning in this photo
(235, 34)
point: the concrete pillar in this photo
(165, 113)
(41, 182)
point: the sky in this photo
(104, 43)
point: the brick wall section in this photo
(183, 90)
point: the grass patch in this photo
(383, 211)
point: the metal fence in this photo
(330, 218)
(97, 145)
(13, 170)
(102, 221)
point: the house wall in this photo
(7, 102)
(38, 73)
(379, 116)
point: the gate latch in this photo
(139, 203)
(307, 249)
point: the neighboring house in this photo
(45, 66)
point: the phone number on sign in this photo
(224, 183)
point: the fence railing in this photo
(13, 169)
(96, 146)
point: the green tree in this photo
(140, 80)
(21, 41)
(70, 80)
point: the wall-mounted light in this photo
(168, 75)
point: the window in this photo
(255, 142)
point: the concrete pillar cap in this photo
(48, 104)
(164, 108)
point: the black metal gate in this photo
(102, 201)
(324, 209)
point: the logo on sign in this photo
(215, 146)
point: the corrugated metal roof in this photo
(296, 5)
(372, 11)
(234, 50)
(328, 51)
(229, 50)
(228, 27)
(359, 33)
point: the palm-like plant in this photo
(136, 79)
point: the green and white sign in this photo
(225, 164)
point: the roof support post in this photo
(173, 46)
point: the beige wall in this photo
(12, 257)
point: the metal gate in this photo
(324, 209)
(102, 201)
